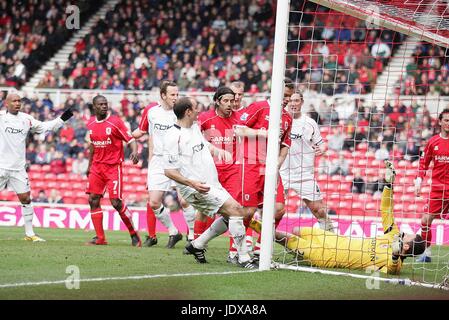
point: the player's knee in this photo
(94, 201)
(25, 198)
(155, 204)
(117, 204)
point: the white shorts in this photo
(157, 180)
(206, 203)
(14, 180)
(308, 189)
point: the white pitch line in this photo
(149, 276)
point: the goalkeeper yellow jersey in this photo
(329, 250)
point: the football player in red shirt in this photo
(436, 151)
(106, 134)
(217, 126)
(255, 120)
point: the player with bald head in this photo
(14, 129)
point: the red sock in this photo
(126, 218)
(97, 220)
(198, 228)
(151, 221)
(426, 234)
(209, 222)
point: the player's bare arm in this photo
(134, 156)
(178, 177)
(242, 131)
(283, 152)
(222, 155)
(91, 156)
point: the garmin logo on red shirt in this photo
(102, 143)
(442, 159)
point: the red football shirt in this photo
(144, 123)
(219, 132)
(107, 137)
(257, 116)
(436, 150)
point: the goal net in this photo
(374, 75)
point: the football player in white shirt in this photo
(14, 129)
(189, 162)
(161, 118)
(298, 169)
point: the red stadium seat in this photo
(80, 201)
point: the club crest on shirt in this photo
(436, 148)
(244, 116)
(108, 130)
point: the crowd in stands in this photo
(203, 44)
(428, 72)
(31, 32)
(337, 53)
(198, 44)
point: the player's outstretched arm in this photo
(137, 134)
(282, 155)
(242, 131)
(222, 155)
(53, 125)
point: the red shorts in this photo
(230, 178)
(253, 186)
(438, 204)
(102, 176)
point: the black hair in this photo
(221, 91)
(181, 106)
(440, 117)
(94, 100)
(289, 83)
(417, 246)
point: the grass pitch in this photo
(119, 271)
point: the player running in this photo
(158, 119)
(106, 134)
(14, 129)
(298, 169)
(189, 162)
(328, 250)
(436, 151)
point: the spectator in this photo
(380, 50)
(42, 197)
(374, 186)
(80, 164)
(55, 197)
(58, 164)
(339, 166)
(411, 152)
(43, 156)
(336, 140)
(382, 153)
(358, 183)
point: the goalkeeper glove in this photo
(67, 114)
(396, 246)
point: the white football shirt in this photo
(160, 121)
(187, 150)
(14, 130)
(299, 164)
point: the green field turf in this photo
(22, 262)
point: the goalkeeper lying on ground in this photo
(329, 250)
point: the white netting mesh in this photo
(375, 94)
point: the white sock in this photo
(217, 228)
(326, 224)
(27, 213)
(189, 216)
(237, 231)
(163, 214)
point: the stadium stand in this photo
(31, 32)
